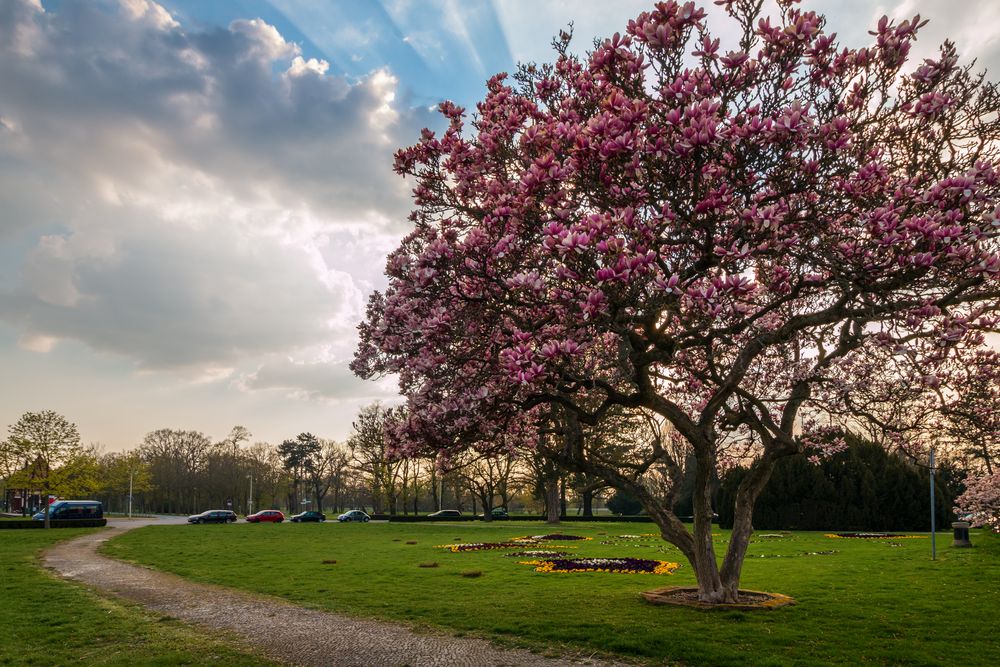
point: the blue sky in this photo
(196, 197)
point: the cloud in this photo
(315, 381)
(184, 198)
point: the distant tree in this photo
(114, 473)
(370, 455)
(487, 477)
(622, 503)
(972, 415)
(300, 457)
(176, 460)
(47, 440)
(11, 461)
(863, 487)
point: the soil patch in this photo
(687, 596)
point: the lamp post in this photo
(933, 513)
(250, 500)
(131, 472)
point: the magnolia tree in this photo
(973, 419)
(709, 235)
(972, 412)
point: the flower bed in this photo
(617, 565)
(550, 538)
(874, 536)
(479, 546)
(538, 553)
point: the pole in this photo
(130, 473)
(933, 513)
(250, 501)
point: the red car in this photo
(273, 516)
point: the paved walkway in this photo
(302, 636)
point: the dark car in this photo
(354, 515)
(499, 513)
(72, 509)
(445, 514)
(266, 516)
(310, 515)
(213, 516)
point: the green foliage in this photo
(868, 603)
(862, 488)
(48, 622)
(46, 448)
(623, 503)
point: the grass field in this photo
(882, 602)
(48, 622)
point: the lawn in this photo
(47, 621)
(883, 602)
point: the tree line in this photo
(178, 471)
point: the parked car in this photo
(445, 514)
(72, 509)
(266, 516)
(499, 513)
(213, 516)
(354, 515)
(310, 515)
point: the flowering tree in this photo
(973, 420)
(708, 236)
(981, 500)
(972, 415)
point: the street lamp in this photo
(250, 500)
(933, 513)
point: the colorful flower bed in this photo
(538, 553)
(479, 546)
(874, 536)
(549, 538)
(617, 565)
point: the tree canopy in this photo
(718, 237)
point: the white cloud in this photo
(143, 10)
(300, 67)
(181, 199)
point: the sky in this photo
(196, 198)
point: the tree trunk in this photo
(552, 500)
(434, 488)
(416, 495)
(45, 500)
(588, 502)
(746, 496)
(487, 499)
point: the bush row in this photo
(55, 523)
(862, 488)
(567, 519)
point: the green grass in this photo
(868, 603)
(47, 621)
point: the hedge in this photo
(567, 519)
(54, 523)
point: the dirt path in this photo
(280, 630)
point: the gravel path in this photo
(305, 636)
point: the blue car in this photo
(72, 509)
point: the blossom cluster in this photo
(479, 546)
(617, 565)
(981, 500)
(873, 536)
